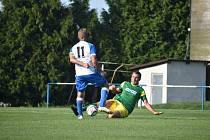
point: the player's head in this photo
(82, 34)
(135, 77)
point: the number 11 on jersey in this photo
(80, 52)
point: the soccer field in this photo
(60, 124)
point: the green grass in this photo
(184, 105)
(60, 124)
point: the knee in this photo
(115, 114)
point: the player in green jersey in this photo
(127, 96)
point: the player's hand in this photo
(86, 65)
(92, 68)
(157, 113)
(112, 88)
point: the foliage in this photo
(150, 30)
(35, 38)
(32, 48)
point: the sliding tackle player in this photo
(127, 95)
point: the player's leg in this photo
(84, 108)
(104, 95)
(118, 110)
(99, 80)
(112, 105)
(115, 114)
(74, 109)
(79, 102)
(81, 85)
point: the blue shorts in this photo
(97, 79)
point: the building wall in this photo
(147, 80)
(208, 82)
(200, 30)
(180, 73)
(175, 73)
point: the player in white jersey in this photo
(83, 55)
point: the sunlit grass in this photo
(61, 124)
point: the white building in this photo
(173, 72)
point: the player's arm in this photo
(94, 60)
(75, 61)
(148, 106)
(95, 63)
(93, 57)
(118, 89)
(114, 89)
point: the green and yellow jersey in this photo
(130, 94)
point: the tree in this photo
(33, 47)
(35, 38)
(150, 30)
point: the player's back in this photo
(83, 52)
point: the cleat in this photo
(74, 109)
(104, 109)
(80, 117)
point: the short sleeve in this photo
(121, 86)
(70, 51)
(92, 49)
(143, 95)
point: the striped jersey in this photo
(83, 52)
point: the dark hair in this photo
(137, 72)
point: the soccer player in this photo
(83, 55)
(127, 95)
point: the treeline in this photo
(36, 35)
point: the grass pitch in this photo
(61, 124)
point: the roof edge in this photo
(163, 61)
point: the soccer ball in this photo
(91, 110)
